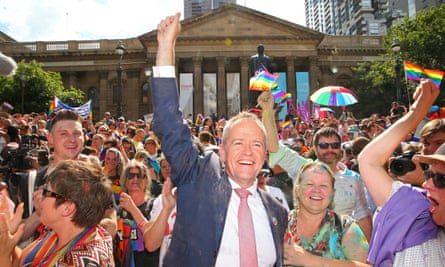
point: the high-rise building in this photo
(361, 17)
(197, 7)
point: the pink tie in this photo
(247, 244)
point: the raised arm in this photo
(266, 102)
(168, 31)
(374, 156)
(155, 230)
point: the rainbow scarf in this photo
(42, 254)
(415, 72)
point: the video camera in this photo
(21, 158)
(403, 163)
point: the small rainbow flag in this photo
(286, 97)
(263, 81)
(286, 124)
(415, 72)
(277, 93)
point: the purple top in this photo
(403, 222)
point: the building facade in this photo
(212, 54)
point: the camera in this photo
(403, 163)
(21, 158)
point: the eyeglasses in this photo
(438, 178)
(47, 193)
(132, 175)
(325, 145)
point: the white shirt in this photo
(156, 210)
(228, 254)
(276, 193)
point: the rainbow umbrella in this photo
(334, 96)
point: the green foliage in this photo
(37, 87)
(422, 42)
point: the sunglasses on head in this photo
(438, 178)
(135, 175)
(325, 145)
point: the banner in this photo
(84, 110)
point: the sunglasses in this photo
(438, 178)
(325, 145)
(134, 175)
(263, 175)
(48, 193)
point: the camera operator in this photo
(21, 157)
(407, 170)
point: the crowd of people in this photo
(240, 191)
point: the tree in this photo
(422, 42)
(36, 87)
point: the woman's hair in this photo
(142, 170)
(120, 159)
(311, 167)
(84, 184)
(160, 160)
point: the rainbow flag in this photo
(286, 97)
(277, 93)
(415, 72)
(263, 81)
(286, 124)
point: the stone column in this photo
(314, 74)
(290, 76)
(102, 94)
(244, 82)
(198, 94)
(221, 91)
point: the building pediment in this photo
(235, 22)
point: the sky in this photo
(59, 20)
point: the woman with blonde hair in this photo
(133, 214)
(316, 235)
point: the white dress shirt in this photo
(228, 254)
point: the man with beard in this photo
(350, 196)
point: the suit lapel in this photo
(273, 220)
(221, 204)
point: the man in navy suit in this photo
(206, 228)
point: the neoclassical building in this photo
(212, 54)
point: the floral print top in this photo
(327, 243)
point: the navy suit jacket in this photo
(203, 188)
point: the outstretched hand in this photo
(168, 195)
(8, 240)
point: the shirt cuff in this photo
(164, 72)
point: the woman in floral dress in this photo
(316, 235)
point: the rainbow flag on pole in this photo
(263, 81)
(415, 72)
